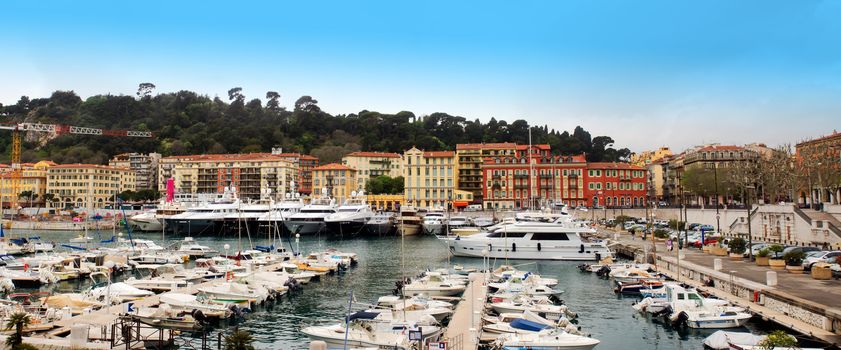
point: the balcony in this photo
(521, 176)
(546, 187)
(521, 187)
(545, 176)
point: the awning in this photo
(460, 204)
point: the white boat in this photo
(553, 339)
(195, 250)
(204, 218)
(482, 221)
(433, 285)
(366, 333)
(688, 306)
(310, 219)
(457, 222)
(724, 340)
(542, 308)
(119, 292)
(188, 302)
(380, 224)
(561, 239)
(350, 218)
(433, 223)
(146, 221)
(232, 292)
(408, 221)
(281, 211)
(413, 309)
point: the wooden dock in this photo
(466, 323)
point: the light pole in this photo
(298, 243)
(750, 234)
(226, 247)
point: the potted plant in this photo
(737, 248)
(762, 257)
(794, 261)
(777, 339)
(776, 262)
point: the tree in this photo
(18, 321)
(273, 101)
(144, 90)
(235, 94)
(384, 185)
(307, 104)
(239, 340)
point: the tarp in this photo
(721, 339)
(527, 325)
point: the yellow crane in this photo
(55, 129)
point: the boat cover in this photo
(722, 339)
(362, 315)
(527, 325)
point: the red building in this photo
(615, 185)
(515, 183)
(306, 163)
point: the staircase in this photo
(831, 222)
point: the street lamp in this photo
(750, 234)
(226, 246)
(298, 243)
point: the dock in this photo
(466, 322)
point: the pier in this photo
(466, 322)
(795, 301)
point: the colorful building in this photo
(647, 157)
(369, 165)
(254, 175)
(471, 156)
(823, 179)
(385, 202)
(87, 185)
(539, 180)
(338, 180)
(33, 180)
(145, 167)
(615, 185)
(429, 178)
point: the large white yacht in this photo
(281, 211)
(204, 219)
(153, 219)
(310, 220)
(532, 236)
(434, 222)
(350, 218)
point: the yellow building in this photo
(33, 178)
(339, 180)
(254, 175)
(145, 167)
(369, 165)
(87, 185)
(429, 178)
(385, 202)
(647, 157)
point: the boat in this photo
(157, 284)
(561, 239)
(542, 308)
(369, 333)
(433, 223)
(551, 339)
(637, 287)
(165, 317)
(433, 285)
(232, 292)
(350, 218)
(408, 222)
(119, 292)
(147, 221)
(457, 222)
(194, 250)
(725, 340)
(380, 224)
(207, 218)
(187, 303)
(482, 221)
(689, 307)
(310, 219)
(280, 211)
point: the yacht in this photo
(189, 247)
(457, 222)
(351, 217)
(561, 239)
(310, 220)
(689, 307)
(280, 211)
(434, 222)
(153, 219)
(202, 219)
(408, 221)
(380, 224)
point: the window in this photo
(548, 236)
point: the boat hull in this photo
(547, 252)
(348, 228)
(305, 227)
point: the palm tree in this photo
(239, 340)
(17, 321)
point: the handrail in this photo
(802, 215)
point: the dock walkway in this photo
(465, 324)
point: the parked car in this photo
(706, 228)
(801, 249)
(707, 240)
(755, 248)
(814, 257)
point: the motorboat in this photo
(280, 211)
(561, 239)
(165, 317)
(147, 221)
(433, 223)
(414, 309)
(408, 222)
(508, 272)
(689, 307)
(433, 285)
(544, 309)
(457, 222)
(194, 250)
(361, 332)
(725, 340)
(232, 292)
(482, 221)
(205, 218)
(380, 224)
(637, 287)
(310, 219)
(157, 284)
(119, 292)
(187, 303)
(550, 339)
(351, 217)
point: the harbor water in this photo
(602, 313)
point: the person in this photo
(669, 244)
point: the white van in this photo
(473, 207)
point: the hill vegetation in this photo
(185, 122)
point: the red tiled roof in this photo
(474, 146)
(333, 166)
(721, 148)
(610, 165)
(308, 157)
(373, 154)
(543, 146)
(438, 154)
(576, 159)
(88, 166)
(822, 138)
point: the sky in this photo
(647, 73)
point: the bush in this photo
(794, 258)
(737, 245)
(762, 253)
(621, 219)
(676, 225)
(776, 248)
(661, 233)
(777, 339)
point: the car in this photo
(755, 248)
(799, 249)
(707, 241)
(706, 228)
(814, 257)
(473, 207)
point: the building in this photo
(145, 167)
(658, 187)
(471, 156)
(712, 158)
(338, 180)
(33, 180)
(520, 181)
(87, 185)
(254, 175)
(369, 165)
(385, 202)
(612, 185)
(648, 157)
(305, 165)
(820, 157)
(429, 178)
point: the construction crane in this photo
(54, 129)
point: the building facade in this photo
(648, 157)
(305, 163)
(822, 159)
(470, 157)
(339, 181)
(369, 165)
(615, 185)
(33, 180)
(87, 185)
(145, 167)
(429, 178)
(520, 181)
(253, 175)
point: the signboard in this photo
(128, 308)
(437, 346)
(415, 335)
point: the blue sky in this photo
(647, 73)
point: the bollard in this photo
(717, 264)
(318, 345)
(771, 278)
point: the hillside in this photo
(185, 122)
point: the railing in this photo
(803, 215)
(736, 221)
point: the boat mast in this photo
(531, 175)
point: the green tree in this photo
(239, 340)
(18, 321)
